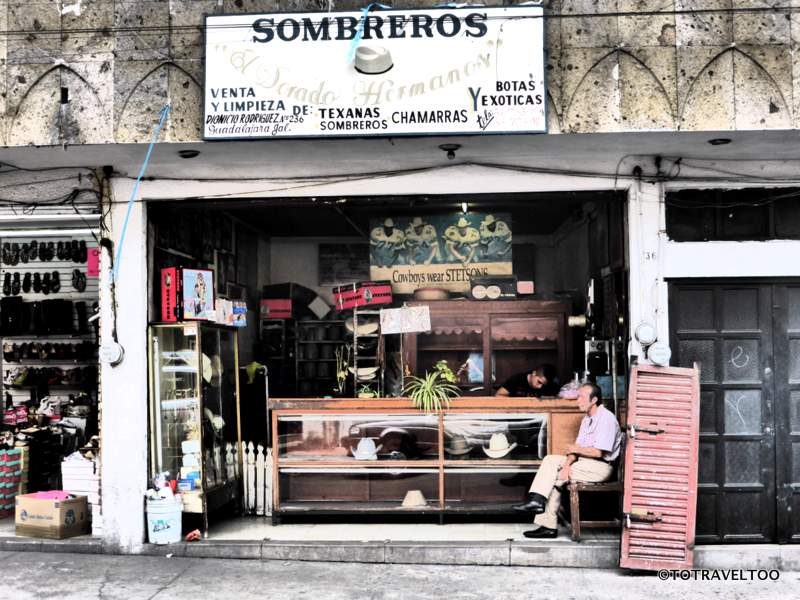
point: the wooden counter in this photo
(315, 469)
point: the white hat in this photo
(414, 499)
(373, 60)
(366, 450)
(462, 222)
(458, 446)
(417, 222)
(364, 372)
(498, 446)
(388, 223)
(365, 328)
(488, 220)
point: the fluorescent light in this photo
(464, 207)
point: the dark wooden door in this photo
(727, 327)
(787, 409)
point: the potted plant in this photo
(433, 391)
(342, 361)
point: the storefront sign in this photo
(442, 251)
(396, 72)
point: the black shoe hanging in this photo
(23, 255)
(46, 283)
(33, 250)
(16, 284)
(37, 283)
(83, 323)
(26, 283)
(82, 252)
(55, 282)
(7, 284)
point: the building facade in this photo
(690, 95)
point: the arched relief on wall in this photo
(619, 92)
(734, 91)
(43, 119)
(141, 108)
(553, 118)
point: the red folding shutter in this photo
(660, 497)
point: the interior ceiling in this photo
(600, 153)
(531, 214)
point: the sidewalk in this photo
(490, 544)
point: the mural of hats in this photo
(414, 499)
(498, 446)
(366, 450)
(373, 60)
(366, 327)
(458, 446)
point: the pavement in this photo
(65, 576)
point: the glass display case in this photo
(381, 455)
(194, 412)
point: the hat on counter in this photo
(458, 446)
(498, 446)
(366, 450)
(373, 60)
(414, 499)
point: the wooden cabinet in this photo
(488, 341)
(338, 456)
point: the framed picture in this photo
(198, 294)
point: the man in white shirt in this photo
(589, 459)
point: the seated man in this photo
(541, 381)
(588, 460)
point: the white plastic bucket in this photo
(164, 521)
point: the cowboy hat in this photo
(458, 446)
(498, 446)
(414, 499)
(373, 60)
(365, 328)
(417, 222)
(462, 222)
(364, 371)
(388, 223)
(366, 450)
(488, 220)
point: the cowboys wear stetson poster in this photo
(442, 251)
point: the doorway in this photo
(746, 336)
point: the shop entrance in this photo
(288, 260)
(746, 336)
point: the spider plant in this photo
(433, 391)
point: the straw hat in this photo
(498, 446)
(365, 328)
(366, 450)
(414, 499)
(458, 446)
(373, 60)
(364, 372)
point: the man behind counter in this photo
(542, 381)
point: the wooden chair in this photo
(576, 488)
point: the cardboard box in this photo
(53, 519)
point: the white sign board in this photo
(408, 319)
(398, 72)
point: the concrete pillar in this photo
(124, 451)
(646, 242)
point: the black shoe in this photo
(78, 280)
(541, 532)
(534, 503)
(16, 284)
(37, 282)
(23, 254)
(60, 251)
(83, 252)
(55, 282)
(33, 250)
(73, 252)
(6, 253)
(26, 283)
(14, 256)
(46, 283)
(7, 284)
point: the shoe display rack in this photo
(339, 456)
(49, 347)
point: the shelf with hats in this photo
(381, 455)
(316, 344)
